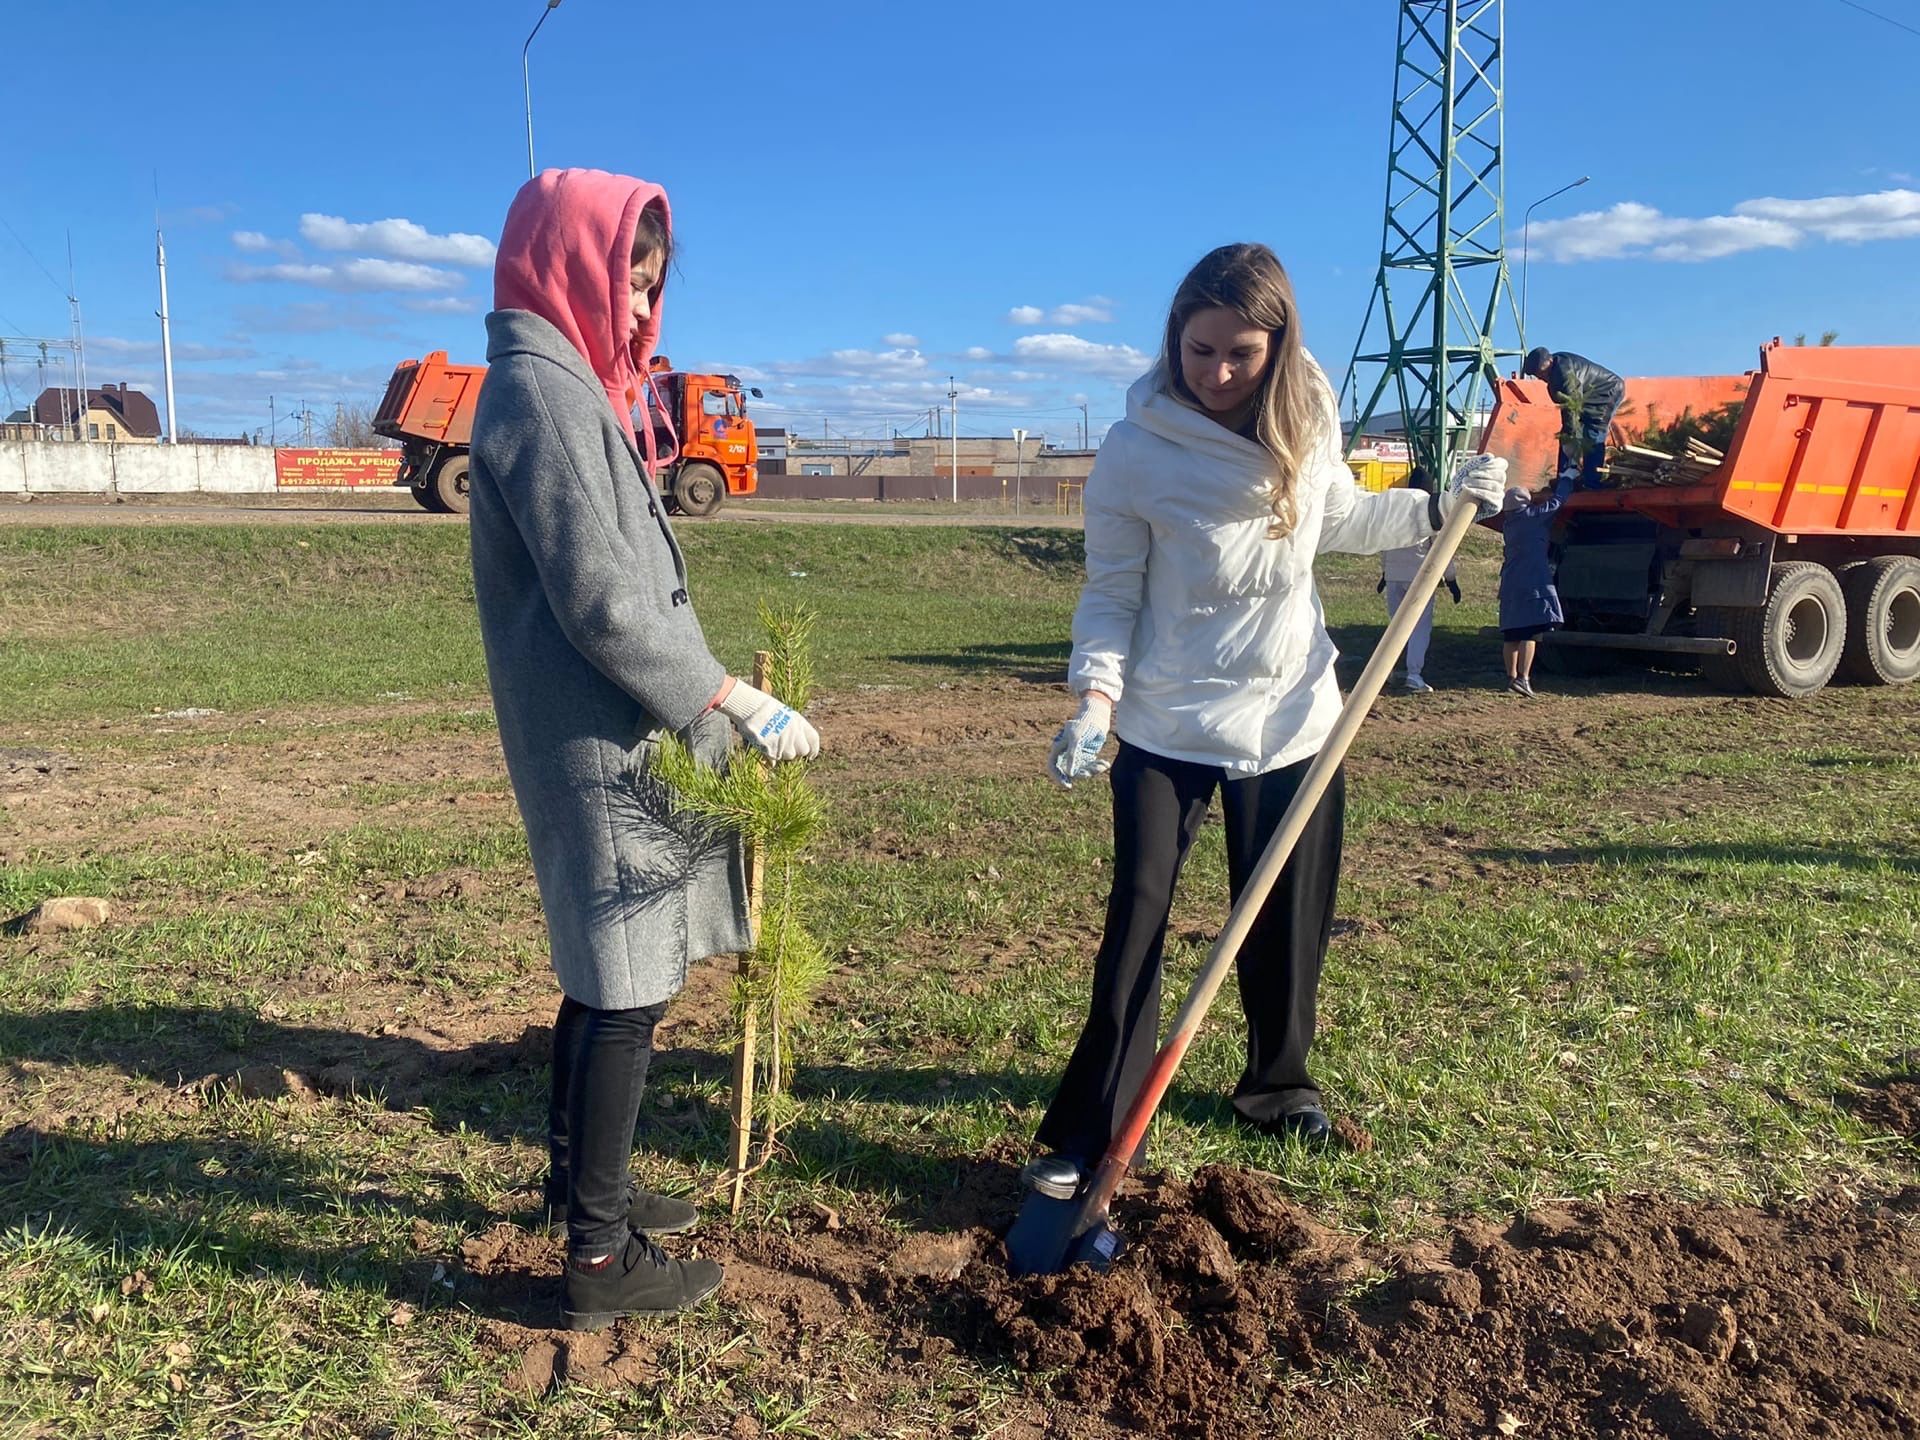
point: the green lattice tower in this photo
(1443, 260)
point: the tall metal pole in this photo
(166, 332)
(1443, 264)
(953, 399)
(1526, 248)
(526, 80)
(84, 399)
(1019, 452)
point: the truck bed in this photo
(1828, 443)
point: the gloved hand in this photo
(773, 729)
(1076, 749)
(1480, 481)
(1453, 589)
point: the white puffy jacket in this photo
(1207, 633)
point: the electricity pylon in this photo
(1443, 260)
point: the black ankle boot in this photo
(638, 1279)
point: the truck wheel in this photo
(449, 485)
(1883, 620)
(1788, 648)
(699, 489)
(424, 497)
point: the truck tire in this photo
(424, 497)
(699, 489)
(1789, 647)
(449, 485)
(1883, 620)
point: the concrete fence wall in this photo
(1039, 491)
(38, 468)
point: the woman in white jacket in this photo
(1199, 638)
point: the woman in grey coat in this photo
(593, 651)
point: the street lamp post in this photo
(526, 80)
(1526, 253)
(1019, 448)
(953, 400)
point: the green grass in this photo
(1616, 942)
(106, 623)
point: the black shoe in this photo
(647, 1212)
(1309, 1125)
(637, 1280)
(1057, 1177)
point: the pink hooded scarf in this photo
(565, 255)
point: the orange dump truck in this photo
(429, 408)
(1795, 557)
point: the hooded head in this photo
(566, 254)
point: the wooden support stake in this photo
(743, 1054)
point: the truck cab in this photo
(718, 454)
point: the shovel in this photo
(1052, 1233)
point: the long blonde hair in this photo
(1290, 409)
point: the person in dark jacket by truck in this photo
(1587, 395)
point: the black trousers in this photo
(600, 1060)
(1158, 806)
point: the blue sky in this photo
(872, 196)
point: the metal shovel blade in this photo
(1042, 1241)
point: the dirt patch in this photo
(1233, 1313)
(1634, 1319)
(1892, 1105)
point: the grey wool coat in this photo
(592, 651)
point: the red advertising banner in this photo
(327, 469)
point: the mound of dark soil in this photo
(1232, 1313)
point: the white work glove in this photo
(1478, 480)
(1076, 749)
(776, 731)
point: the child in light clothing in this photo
(1397, 569)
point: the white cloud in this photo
(1633, 231)
(252, 242)
(978, 352)
(1116, 362)
(396, 240)
(1851, 219)
(895, 364)
(358, 275)
(149, 350)
(899, 341)
(1096, 311)
(444, 305)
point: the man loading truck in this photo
(1587, 395)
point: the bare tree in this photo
(352, 428)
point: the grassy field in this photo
(1634, 937)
